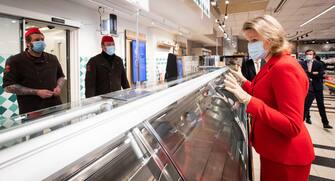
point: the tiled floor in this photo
(323, 168)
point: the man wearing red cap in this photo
(105, 72)
(35, 76)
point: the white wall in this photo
(157, 56)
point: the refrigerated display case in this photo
(188, 130)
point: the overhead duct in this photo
(280, 6)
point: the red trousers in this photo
(273, 171)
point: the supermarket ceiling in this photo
(291, 14)
(175, 16)
(184, 17)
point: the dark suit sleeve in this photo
(11, 75)
(124, 80)
(90, 79)
(244, 69)
(319, 69)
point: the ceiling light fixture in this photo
(213, 2)
(280, 5)
(227, 2)
(325, 11)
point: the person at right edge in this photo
(315, 71)
(275, 103)
(105, 72)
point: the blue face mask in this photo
(110, 50)
(38, 46)
(256, 50)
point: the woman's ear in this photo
(267, 45)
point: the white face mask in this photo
(309, 57)
(256, 50)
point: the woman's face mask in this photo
(256, 47)
(256, 50)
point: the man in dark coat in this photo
(250, 68)
(35, 76)
(105, 72)
(315, 72)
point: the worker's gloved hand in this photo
(232, 85)
(238, 76)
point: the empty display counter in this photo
(191, 129)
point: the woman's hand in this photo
(238, 75)
(232, 85)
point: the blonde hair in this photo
(269, 29)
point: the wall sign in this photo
(139, 73)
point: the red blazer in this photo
(278, 132)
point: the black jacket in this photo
(316, 81)
(171, 68)
(35, 73)
(104, 74)
(248, 69)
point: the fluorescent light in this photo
(325, 11)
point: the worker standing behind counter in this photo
(275, 101)
(105, 72)
(35, 76)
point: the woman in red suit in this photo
(275, 103)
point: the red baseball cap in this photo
(107, 39)
(32, 31)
